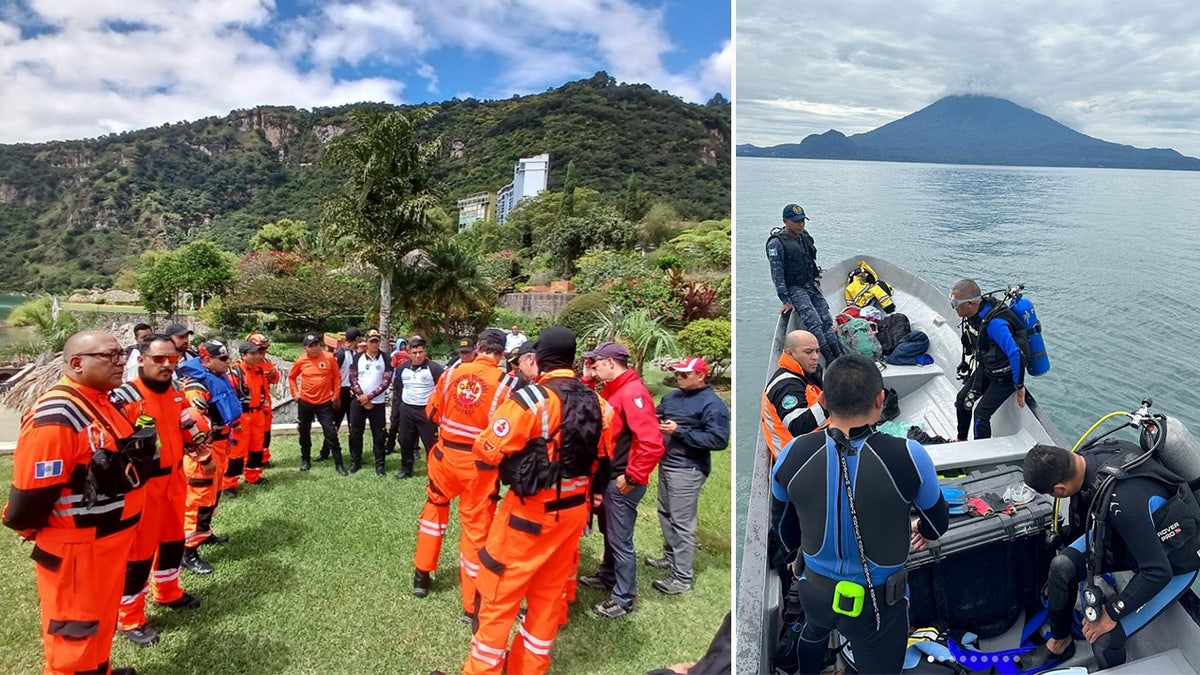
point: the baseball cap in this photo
(416, 341)
(372, 334)
(692, 364)
(794, 213)
(465, 345)
(259, 339)
(176, 329)
(247, 348)
(213, 349)
(311, 339)
(352, 333)
(608, 350)
(527, 347)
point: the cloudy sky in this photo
(1121, 71)
(82, 68)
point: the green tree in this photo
(634, 203)
(536, 215)
(566, 208)
(446, 294)
(388, 201)
(206, 271)
(283, 235)
(566, 240)
(643, 334)
(160, 281)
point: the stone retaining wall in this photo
(547, 305)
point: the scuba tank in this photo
(1180, 452)
(1039, 362)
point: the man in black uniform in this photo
(412, 384)
(792, 257)
(1151, 526)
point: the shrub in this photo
(581, 312)
(598, 266)
(501, 270)
(651, 293)
(710, 338)
(699, 301)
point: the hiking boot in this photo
(596, 581)
(305, 465)
(671, 586)
(611, 610)
(355, 467)
(142, 636)
(403, 474)
(262, 480)
(1042, 657)
(185, 601)
(663, 563)
(230, 492)
(341, 470)
(215, 539)
(323, 456)
(130, 670)
(380, 472)
(194, 563)
(421, 583)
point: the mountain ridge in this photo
(976, 129)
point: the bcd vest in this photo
(567, 452)
(991, 358)
(799, 257)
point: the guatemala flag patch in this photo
(48, 469)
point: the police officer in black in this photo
(1151, 524)
(998, 339)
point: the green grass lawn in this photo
(317, 579)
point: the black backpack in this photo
(532, 470)
(892, 330)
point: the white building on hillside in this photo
(529, 179)
(474, 208)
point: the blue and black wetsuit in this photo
(1152, 530)
(793, 263)
(888, 476)
(1001, 350)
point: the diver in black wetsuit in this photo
(1153, 528)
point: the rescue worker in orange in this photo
(253, 390)
(75, 494)
(271, 373)
(158, 546)
(546, 438)
(316, 385)
(463, 401)
(790, 408)
(789, 402)
(207, 389)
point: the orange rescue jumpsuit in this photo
(271, 373)
(159, 541)
(203, 470)
(465, 397)
(533, 546)
(80, 545)
(252, 387)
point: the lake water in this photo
(8, 335)
(1108, 257)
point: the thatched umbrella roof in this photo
(23, 389)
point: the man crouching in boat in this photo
(851, 490)
(1149, 525)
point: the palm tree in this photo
(445, 291)
(645, 336)
(388, 202)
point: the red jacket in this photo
(638, 442)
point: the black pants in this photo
(359, 416)
(413, 426)
(875, 651)
(345, 396)
(993, 395)
(305, 412)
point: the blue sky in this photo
(82, 68)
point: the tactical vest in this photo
(799, 257)
(558, 454)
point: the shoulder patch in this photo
(48, 469)
(790, 402)
(501, 428)
(637, 401)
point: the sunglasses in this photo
(223, 358)
(162, 358)
(956, 302)
(114, 357)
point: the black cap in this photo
(176, 329)
(527, 347)
(311, 339)
(213, 348)
(465, 345)
(555, 348)
(353, 333)
(247, 348)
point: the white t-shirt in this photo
(417, 384)
(131, 366)
(370, 375)
(344, 365)
(511, 341)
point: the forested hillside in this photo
(75, 213)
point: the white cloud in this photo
(1123, 72)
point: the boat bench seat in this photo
(908, 379)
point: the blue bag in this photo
(910, 348)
